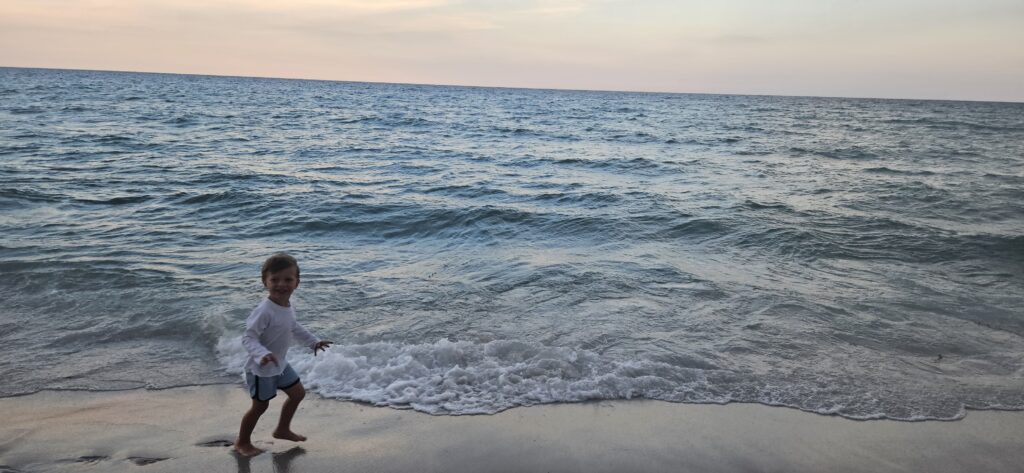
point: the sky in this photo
(930, 49)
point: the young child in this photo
(268, 334)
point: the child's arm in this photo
(309, 339)
(257, 322)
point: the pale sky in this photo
(938, 49)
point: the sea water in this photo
(476, 249)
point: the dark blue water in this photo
(475, 249)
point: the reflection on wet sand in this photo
(282, 461)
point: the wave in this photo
(121, 200)
(418, 222)
(370, 218)
(468, 378)
(891, 171)
(778, 228)
(28, 148)
(351, 120)
(511, 131)
(1015, 179)
(181, 121)
(466, 191)
(462, 377)
(402, 121)
(24, 196)
(848, 153)
(954, 124)
(634, 137)
(586, 199)
(33, 110)
(634, 165)
(40, 276)
(694, 230)
(754, 205)
(203, 200)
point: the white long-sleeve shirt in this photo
(271, 328)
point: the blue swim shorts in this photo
(264, 388)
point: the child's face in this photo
(281, 284)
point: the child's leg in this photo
(244, 443)
(284, 427)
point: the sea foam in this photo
(461, 377)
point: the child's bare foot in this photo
(247, 449)
(289, 435)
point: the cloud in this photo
(684, 45)
(342, 6)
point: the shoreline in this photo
(310, 394)
(190, 428)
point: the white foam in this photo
(463, 377)
(232, 354)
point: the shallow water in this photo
(475, 249)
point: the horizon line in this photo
(559, 89)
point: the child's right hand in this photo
(268, 358)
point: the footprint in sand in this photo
(142, 461)
(91, 459)
(216, 443)
(7, 469)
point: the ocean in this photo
(473, 249)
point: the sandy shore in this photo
(187, 429)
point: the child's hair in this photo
(278, 262)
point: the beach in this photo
(189, 428)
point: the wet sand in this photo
(189, 429)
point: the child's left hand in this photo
(322, 345)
